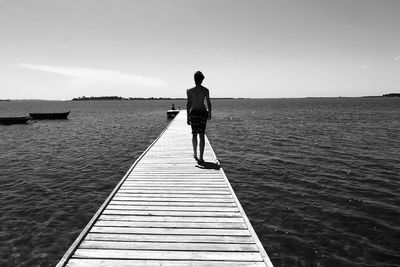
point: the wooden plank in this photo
(161, 175)
(191, 180)
(173, 213)
(168, 231)
(180, 189)
(212, 174)
(175, 173)
(175, 199)
(176, 181)
(175, 186)
(141, 218)
(169, 195)
(167, 255)
(171, 179)
(151, 185)
(155, 184)
(177, 177)
(161, 191)
(170, 168)
(169, 161)
(168, 246)
(156, 263)
(170, 208)
(171, 203)
(183, 225)
(199, 187)
(171, 187)
(171, 238)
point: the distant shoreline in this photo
(102, 98)
(107, 98)
(119, 98)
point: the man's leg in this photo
(202, 143)
(194, 142)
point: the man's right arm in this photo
(188, 106)
(208, 104)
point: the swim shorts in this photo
(198, 120)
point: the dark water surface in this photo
(318, 178)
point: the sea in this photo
(319, 178)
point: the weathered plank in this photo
(171, 238)
(168, 246)
(174, 181)
(173, 213)
(182, 225)
(155, 184)
(168, 231)
(167, 255)
(193, 193)
(176, 199)
(171, 219)
(171, 203)
(156, 263)
(170, 208)
(175, 195)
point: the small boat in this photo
(49, 116)
(14, 120)
(172, 112)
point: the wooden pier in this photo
(169, 211)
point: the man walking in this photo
(197, 113)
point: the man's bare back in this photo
(196, 97)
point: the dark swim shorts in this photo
(198, 120)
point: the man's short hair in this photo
(198, 77)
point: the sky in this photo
(53, 49)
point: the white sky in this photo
(56, 49)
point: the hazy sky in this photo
(62, 49)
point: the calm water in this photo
(318, 178)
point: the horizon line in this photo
(184, 98)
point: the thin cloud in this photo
(397, 58)
(89, 75)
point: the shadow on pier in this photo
(208, 165)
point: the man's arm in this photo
(208, 104)
(188, 106)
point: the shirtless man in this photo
(197, 114)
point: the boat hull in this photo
(14, 120)
(172, 113)
(49, 116)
